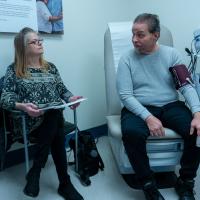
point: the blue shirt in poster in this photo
(55, 8)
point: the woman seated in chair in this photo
(31, 82)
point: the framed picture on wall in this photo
(50, 16)
(45, 16)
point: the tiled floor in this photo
(106, 185)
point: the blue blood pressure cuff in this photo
(181, 76)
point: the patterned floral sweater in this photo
(41, 87)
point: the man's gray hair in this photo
(151, 20)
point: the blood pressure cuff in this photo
(181, 75)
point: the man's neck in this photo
(155, 48)
(150, 51)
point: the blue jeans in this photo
(175, 116)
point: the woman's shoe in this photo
(32, 186)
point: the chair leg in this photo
(3, 142)
(76, 141)
(2, 161)
(25, 143)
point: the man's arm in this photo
(125, 91)
(55, 18)
(192, 100)
(183, 83)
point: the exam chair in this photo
(164, 152)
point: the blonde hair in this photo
(20, 61)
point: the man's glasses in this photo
(36, 41)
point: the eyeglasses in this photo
(36, 41)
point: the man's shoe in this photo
(184, 189)
(32, 186)
(68, 192)
(151, 192)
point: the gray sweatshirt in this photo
(146, 80)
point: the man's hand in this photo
(155, 126)
(74, 98)
(195, 124)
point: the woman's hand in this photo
(30, 108)
(74, 98)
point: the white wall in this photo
(78, 54)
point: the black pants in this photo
(175, 116)
(50, 136)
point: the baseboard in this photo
(97, 132)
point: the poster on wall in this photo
(16, 14)
(44, 16)
(50, 16)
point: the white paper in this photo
(74, 102)
(17, 14)
(64, 105)
(121, 34)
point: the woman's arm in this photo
(9, 96)
(29, 108)
(10, 99)
(64, 93)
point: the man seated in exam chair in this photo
(30, 82)
(148, 92)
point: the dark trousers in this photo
(175, 116)
(50, 136)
